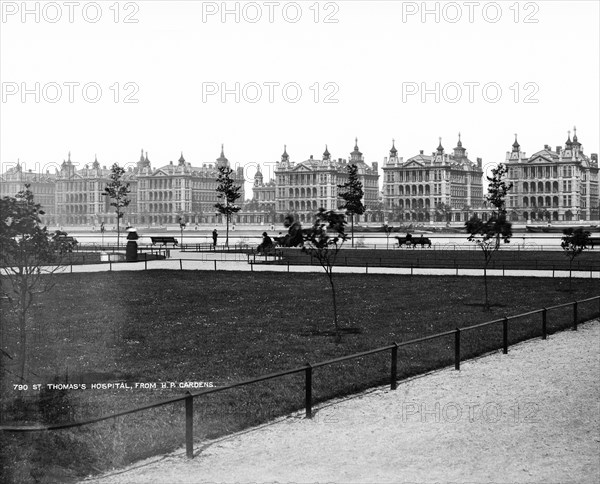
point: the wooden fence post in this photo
(308, 390)
(575, 316)
(457, 349)
(189, 425)
(394, 373)
(505, 336)
(544, 329)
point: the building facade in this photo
(550, 185)
(41, 185)
(302, 188)
(439, 187)
(553, 185)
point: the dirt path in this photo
(530, 416)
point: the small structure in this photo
(132, 248)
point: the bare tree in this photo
(574, 242)
(352, 193)
(29, 256)
(228, 192)
(488, 235)
(324, 241)
(118, 191)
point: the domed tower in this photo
(440, 148)
(356, 155)
(221, 160)
(459, 151)
(576, 144)
(326, 154)
(285, 158)
(258, 178)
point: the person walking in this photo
(215, 235)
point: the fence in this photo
(308, 370)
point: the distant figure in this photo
(272, 227)
(215, 235)
(408, 236)
(266, 245)
(196, 227)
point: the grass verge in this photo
(222, 327)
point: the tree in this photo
(443, 212)
(26, 250)
(352, 192)
(228, 192)
(574, 242)
(324, 241)
(487, 235)
(118, 191)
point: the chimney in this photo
(420, 152)
(594, 157)
(479, 162)
(311, 157)
(546, 147)
(558, 149)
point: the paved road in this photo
(210, 261)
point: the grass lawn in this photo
(464, 259)
(223, 327)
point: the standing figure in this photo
(215, 235)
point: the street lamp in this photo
(102, 229)
(181, 227)
(388, 231)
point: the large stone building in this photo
(158, 196)
(42, 185)
(558, 185)
(437, 187)
(175, 191)
(553, 185)
(304, 187)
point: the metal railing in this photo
(308, 372)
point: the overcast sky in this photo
(497, 68)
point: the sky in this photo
(109, 79)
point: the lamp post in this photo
(388, 231)
(102, 229)
(181, 227)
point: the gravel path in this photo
(530, 416)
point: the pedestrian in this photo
(215, 235)
(267, 244)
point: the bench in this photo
(164, 240)
(67, 239)
(594, 241)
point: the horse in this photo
(404, 241)
(422, 241)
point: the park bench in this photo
(164, 240)
(594, 241)
(67, 239)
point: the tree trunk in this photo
(23, 331)
(227, 230)
(487, 303)
(570, 267)
(335, 315)
(352, 228)
(118, 232)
